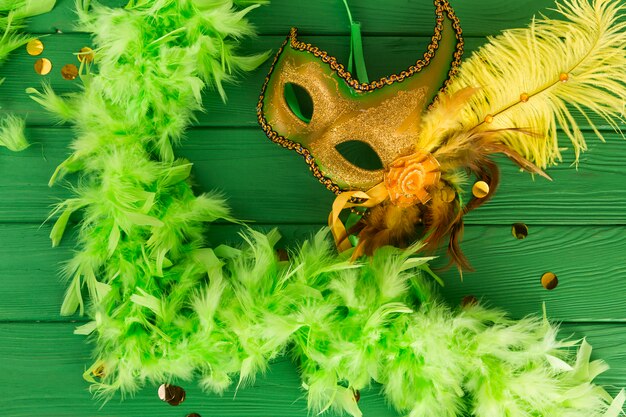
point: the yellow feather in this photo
(587, 49)
(441, 120)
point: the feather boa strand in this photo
(348, 325)
(140, 216)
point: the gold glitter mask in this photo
(382, 116)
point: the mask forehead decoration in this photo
(384, 114)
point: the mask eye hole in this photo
(299, 101)
(360, 154)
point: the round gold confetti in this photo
(448, 194)
(489, 118)
(171, 394)
(69, 72)
(179, 395)
(524, 97)
(549, 281)
(85, 54)
(468, 301)
(34, 47)
(163, 392)
(519, 231)
(480, 189)
(43, 66)
(563, 77)
(282, 255)
(98, 372)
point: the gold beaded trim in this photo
(442, 6)
(286, 143)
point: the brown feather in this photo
(457, 257)
(517, 158)
(438, 219)
(485, 170)
(387, 224)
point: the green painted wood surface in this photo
(479, 18)
(577, 222)
(508, 270)
(593, 194)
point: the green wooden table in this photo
(577, 224)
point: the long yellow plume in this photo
(529, 82)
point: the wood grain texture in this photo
(384, 56)
(45, 362)
(268, 184)
(588, 261)
(507, 276)
(483, 17)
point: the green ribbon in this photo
(352, 220)
(357, 60)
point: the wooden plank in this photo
(42, 364)
(478, 17)
(240, 110)
(268, 184)
(588, 261)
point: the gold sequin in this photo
(549, 281)
(69, 72)
(489, 118)
(98, 372)
(519, 231)
(34, 47)
(480, 189)
(162, 392)
(43, 66)
(448, 195)
(563, 77)
(171, 394)
(469, 301)
(524, 97)
(85, 54)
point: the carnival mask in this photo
(383, 114)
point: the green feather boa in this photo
(164, 306)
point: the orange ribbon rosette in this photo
(410, 177)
